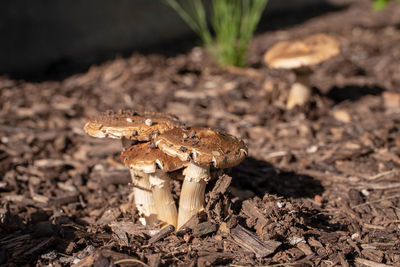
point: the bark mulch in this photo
(320, 187)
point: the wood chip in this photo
(195, 220)
(130, 228)
(204, 228)
(250, 209)
(305, 248)
(369, 263)
(251, 242)
(162, 234)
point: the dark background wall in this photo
(38, 35)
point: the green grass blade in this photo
(194, 14)
(233, 22)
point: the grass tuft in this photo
(233, 23)
(381, 4)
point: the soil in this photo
(320, 186)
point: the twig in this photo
(375, 201)
(276, 154)
(379, 175)
(379, 186)
(130, 260)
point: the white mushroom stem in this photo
(193, 192)
(144, 200)
(164, 202)
(300, 92)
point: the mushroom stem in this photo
(193, 192)
(144, 200)
(300, 92)
(303, 75)
(164, 202)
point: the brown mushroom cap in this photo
(131, 125)
(145, 158)
(302, 52)
(203, 146)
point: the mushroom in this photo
(202, 148)
(130, 125)
(299, 55)
(152, 164)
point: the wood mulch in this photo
(321, 185)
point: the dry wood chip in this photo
(121, 236)
(220, 187)
(204, 228)
(342, 259)
(369, 263)
(66, 187)
(131, 228)
(109, 216)
(373, 254)
(251, 210)
(113, 176)
(192, 223)
(153, 260)
(49, 163)
(251, 242)
(305, 248)
(314, 243)
(162, 234)
(85, 262)
(103, 257)
(212, 258)
(59, 201)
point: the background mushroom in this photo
(152, 164)
(299, 55)
(202, 148)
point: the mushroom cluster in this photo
(156, 144)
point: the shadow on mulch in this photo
(352, 92)
(261, 177)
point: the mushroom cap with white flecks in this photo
(203, 146)
(144, 157)
(307, 51)
(140, 126)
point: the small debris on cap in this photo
(148, 122)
